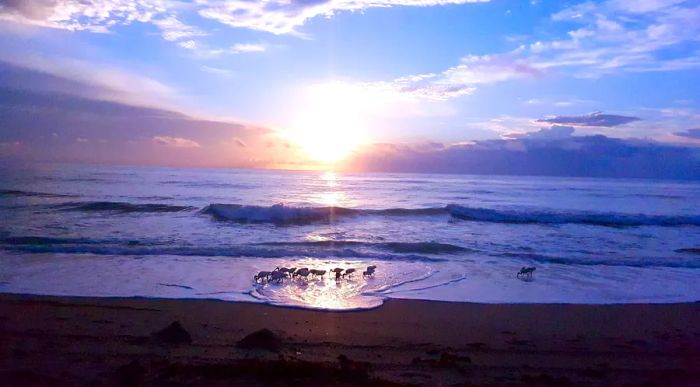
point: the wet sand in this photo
(47, 341)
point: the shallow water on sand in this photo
(194, 233)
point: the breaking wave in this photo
(397, 247)
(280, 213)
(596, 219)
(79, 246)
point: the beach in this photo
(51, 341)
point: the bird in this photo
(263, 275)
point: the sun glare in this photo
(330, 124)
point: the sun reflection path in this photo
(330, 194)
(355, 292)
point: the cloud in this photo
(690, 133)
(621, 34)
(555, 132)
(63, 121)
(284, 17)
(608, 37)
(275, 16)
(456, 81)
(173, 30)
(175, 142)
(549, 152)
(80, 78)
(77, 15)
(597, 119)
(240, 48)
(217, 71)
(240, 143)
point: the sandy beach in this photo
(49, 341)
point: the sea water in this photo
(204, 233)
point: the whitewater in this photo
(203, 233)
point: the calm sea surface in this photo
(197, 233)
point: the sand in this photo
(46, 341)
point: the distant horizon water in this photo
(99, 230)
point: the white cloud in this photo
(240, 48)
(75, 15)
(173, 30)
(608, 37)
(284, 17)
(217, 71)
(275, 16)
(624, 34)
(188, 44)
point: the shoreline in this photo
(385, 300)
(53, 340)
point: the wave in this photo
(12, 192)
(38, 240)
(280, 213)
(122, 207)
(591, 261)
(286, 214)
(595, 219)
(689, 250)
(224, 251)
(397, 247)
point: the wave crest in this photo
(281, 213)
(596, 219)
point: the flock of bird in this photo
(281, 273)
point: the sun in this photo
(330, 123)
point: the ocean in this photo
(204, 233)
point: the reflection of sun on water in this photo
(330, 178)
(334, 197)
(322, 293)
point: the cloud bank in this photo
(551, 151)
(46, 117)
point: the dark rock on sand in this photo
(353, 370)
(130, 374)
(172, 334)
(263, 339)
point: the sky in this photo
(581, 88)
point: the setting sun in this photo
(330, 124)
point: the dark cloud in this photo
(52, 125)
(690, 133)
(541, 154)
(593, 119)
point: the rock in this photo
(262, 339)
(130, 374)
(353, 370)
(172, 334)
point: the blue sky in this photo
(401, 71)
